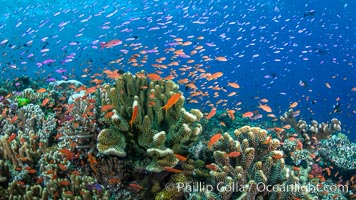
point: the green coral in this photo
(111, 142)
(341, 136)
(256, 160)
(174, 188)
(22, 101)
(143, 125)
(161, 159)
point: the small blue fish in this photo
(95, 186)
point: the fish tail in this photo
(165, 108)
(102, 45)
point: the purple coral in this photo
(316, 170)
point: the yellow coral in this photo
(111, 142)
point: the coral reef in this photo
(301, 155)
(137, 119)
(76, 187)
(339, 151)
(79, 127)
(136, 140)
(244, 164)
(315, 129)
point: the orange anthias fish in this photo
(214, 139)
(154, 77)
(234, 154)
(293, 105)
(45, 101)
(234, 85)
(90, 90)
(267, 140)
(112, 74)
(108, 115)
(221, 58)
(173, 100)
(134, 113)
(231, 114)
(11, 137)
(41, 90)
(265, 108)
(110, 44)
(106, 107)
(211, 113)
(172, 170)
(247, 114)
(211, 167)
(92, 162)
(135, 186)
(180, 157)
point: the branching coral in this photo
(81, 126)
(320, 131)
(138, 120)
(39, 171)
(76, 187)
(245, 164)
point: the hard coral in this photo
(139, 120)
(251, 160)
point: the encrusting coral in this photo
(149, 117)
(341, 152)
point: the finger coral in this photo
(320, 131)
(149, 117)
(250, 161)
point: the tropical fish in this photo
(234, 154)
(265, 107)
(45, 101)
(92, 162)
(172, 101)
(211, 113)
(172, 170)
(180, 157)
(154, 77)
(267, 141)
(110, 43)
(95, 186)
(211, 167)
(107, 107)
(221, 58)
(134, 113)
(135, 186)
(234, 85)
(41, 90)
(293, 105)
(231, 114)
(278, 155)
(11, 137)
(108, 115)
(214, 139)
(247, 114)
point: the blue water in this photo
(270, 45)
